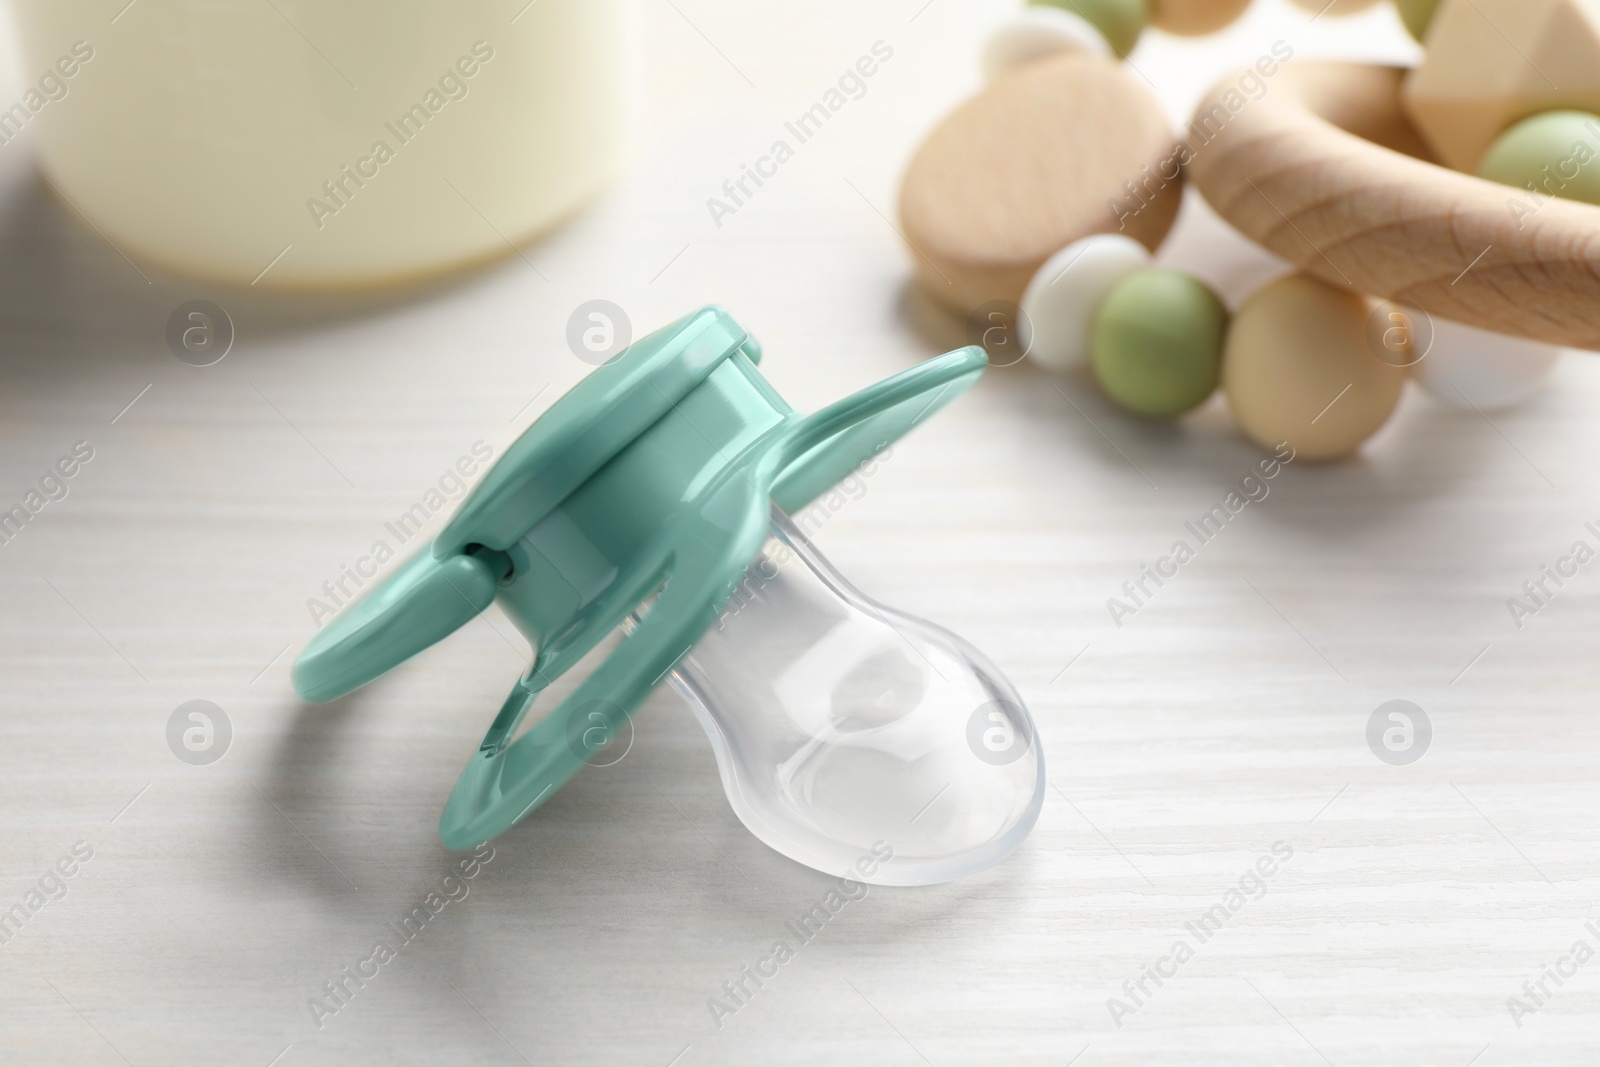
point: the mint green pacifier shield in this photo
(841, 437)
(443, 588)
(591, 423)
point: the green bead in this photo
(1416, 14)
(1119, 21)
(1558, 152)
(1157, 340)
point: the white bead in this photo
(1493, 370)
(1059, 304)
(1038, 32)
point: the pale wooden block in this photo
(1490, 63)
(1058, 150)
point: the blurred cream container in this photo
(324, 143)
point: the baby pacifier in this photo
(654, 498)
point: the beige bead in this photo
(1055, 151)
(1491, 63)
(1193, 18)
(1297, 367)
(1335, 7)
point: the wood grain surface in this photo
(1317, 171)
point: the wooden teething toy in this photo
(1331, 166)
(1327, 172)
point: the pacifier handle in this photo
(424, 601)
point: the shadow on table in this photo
(309, 771)
(1425, 451)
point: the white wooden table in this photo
(1228, 716)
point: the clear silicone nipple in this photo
(841, 727)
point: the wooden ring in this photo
(1324, 169)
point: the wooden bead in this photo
(1158, 342)
(1555, 153)
(1492, 62)
(1059, 305)
(1060, 149)
(1195, 18)
(1297, 367)
(1316, 171)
